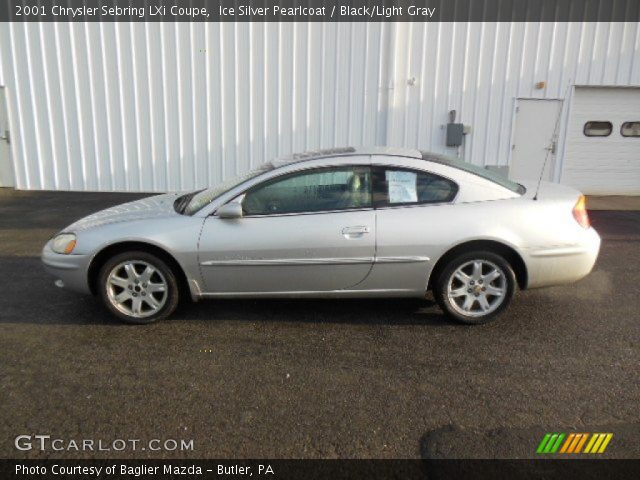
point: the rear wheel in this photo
(475, 287)
(138, 287)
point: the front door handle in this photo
(356, 231)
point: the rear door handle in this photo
(356, 231)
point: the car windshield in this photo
(490, 175)
(205, 197)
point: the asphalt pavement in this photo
(306, 378)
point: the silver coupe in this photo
(334, 223)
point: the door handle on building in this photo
(552, 147)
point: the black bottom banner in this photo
(320, 469)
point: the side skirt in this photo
(381, 293)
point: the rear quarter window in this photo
(396, 186)
(482, 172)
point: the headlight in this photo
(64, 243)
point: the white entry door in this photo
(534, 139)
(6, 168)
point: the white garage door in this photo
(602, 155)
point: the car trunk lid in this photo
(550, 192)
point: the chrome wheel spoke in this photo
(468, 303)
(491, 276)
(123, 296)
(491, 290)
(155, 287)
(460, 275)
(484, 303)
(458, 292)
(477, 270)
(136, 305)
(131, 271)
(146, 275)
(118, 282)
(152, 302)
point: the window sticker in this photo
(402, 186)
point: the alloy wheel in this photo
(477, 288)
(137, 288)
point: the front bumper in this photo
(71, 269)
(565, 263)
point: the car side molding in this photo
(311, 261)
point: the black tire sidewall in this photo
(443, 278)
(172, 286)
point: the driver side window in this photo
(318, 190)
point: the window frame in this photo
(584, 128)
(377, 172)
(284, 176)
(622, 126)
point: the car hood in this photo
(151, 207)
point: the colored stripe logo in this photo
(574, 443)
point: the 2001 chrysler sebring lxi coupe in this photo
(335, 223)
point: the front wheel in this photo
(475, 287)
(138, 287)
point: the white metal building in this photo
(155, 107)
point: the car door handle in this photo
(355, 232)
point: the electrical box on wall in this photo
(455, 133)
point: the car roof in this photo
(347, 151)
(435, 158)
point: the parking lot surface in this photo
(303, 378)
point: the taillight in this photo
(580, 212)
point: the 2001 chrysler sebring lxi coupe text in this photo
(336, 223)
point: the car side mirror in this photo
(230, 210)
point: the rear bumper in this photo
(71, 270)
(563, 264)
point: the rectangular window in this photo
(597, 129)
(630, 129)
(400, 186)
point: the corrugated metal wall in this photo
(155, 107)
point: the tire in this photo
(464, 295)
(148, 293)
